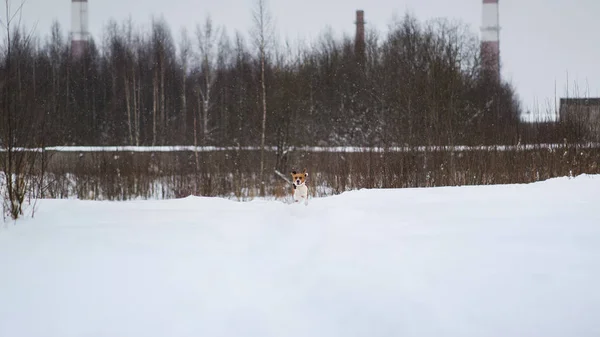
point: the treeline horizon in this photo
(419, 84)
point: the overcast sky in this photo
(540, 40)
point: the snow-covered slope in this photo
(514, 260)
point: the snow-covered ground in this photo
(331, 149)
(514, 260)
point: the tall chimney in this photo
(359, 42)
(79, 27)
(490, 38)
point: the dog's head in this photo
(299, 178)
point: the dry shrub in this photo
(127, 175)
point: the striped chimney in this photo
(490, 38)
(79, 27)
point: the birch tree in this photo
(207, 36)
(129, 82)
(185, 47)
(161, 45)
(263, 37)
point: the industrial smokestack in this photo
(79, 27)
(359, 41)
(490, 38)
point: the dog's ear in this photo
(305, 173)
(293, 172)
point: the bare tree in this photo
(185, 50)
(208, 53)
(263, 36)
(129, 80)
(22, 124)
(185, 47)
(161, 52)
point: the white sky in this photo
(540, 41)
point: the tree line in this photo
(419, 84)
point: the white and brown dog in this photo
(300, 190)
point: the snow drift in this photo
(509, 260)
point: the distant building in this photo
(584, 113)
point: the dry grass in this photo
(128, 175)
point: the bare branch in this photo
(263, 29)
(17, 12)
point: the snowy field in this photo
(331, 149)
(514, 260)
